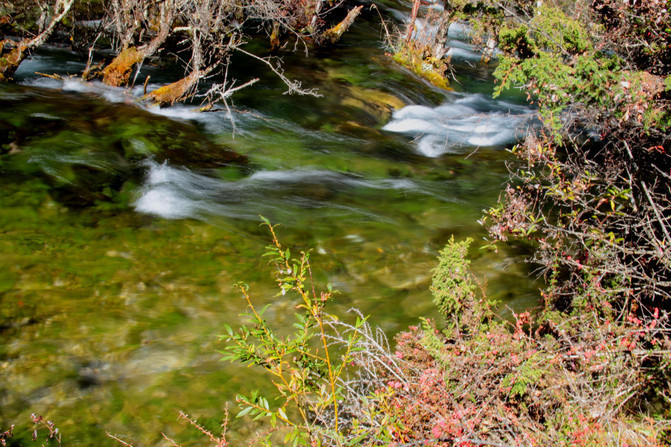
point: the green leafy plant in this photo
(454, 290)
(324, 372)
(452, 286)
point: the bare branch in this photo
(293, 87)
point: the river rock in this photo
(87, 149)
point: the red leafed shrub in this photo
(574, 383)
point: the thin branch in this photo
(294, 87)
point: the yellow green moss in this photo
(429, 68)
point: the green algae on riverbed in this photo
(118, 313)
(109, 316)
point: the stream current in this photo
(124, 227)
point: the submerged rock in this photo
(87, 149)
(374, 102)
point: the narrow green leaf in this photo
(356, 440)
(244, 411)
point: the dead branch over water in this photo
(203, 33)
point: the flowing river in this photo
(124, 227)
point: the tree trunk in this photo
(333, 34)
(413, 18)
(177, 91)
(11, 59)
(117, 73)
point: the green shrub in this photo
(328, 374)
(452, 287)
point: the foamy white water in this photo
(462, 125)
(179, 193)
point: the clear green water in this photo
(109, 316)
